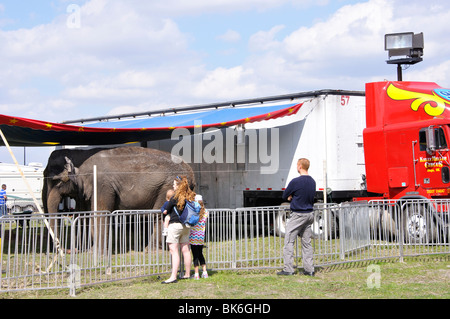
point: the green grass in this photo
(416, 278)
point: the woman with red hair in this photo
(178, 234)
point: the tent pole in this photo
(38, 205)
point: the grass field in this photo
(416, 278)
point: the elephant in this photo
(127, 178)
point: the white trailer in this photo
(19, 198)
(251, 164)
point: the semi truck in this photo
(389, 142)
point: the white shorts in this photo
(177, 234)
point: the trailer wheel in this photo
(418, 224)
(281, 219)
(317, 226)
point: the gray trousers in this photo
(299, 224)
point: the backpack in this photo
(190, 214)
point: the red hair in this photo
(183, 192)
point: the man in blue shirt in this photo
(300, 192)
(3, 200)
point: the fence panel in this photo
(220, 239)
(354, 227)
(32, 257)
(422, 226)
(258, 243)
(95, 247)
(325, 230)
(122, 245)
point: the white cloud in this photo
(197, 7)
(338, 52)
(128, 83)
(230, 36)
(226, 84)
(435, 73)
(132, 55)
(112, 56)
(265, 40)
(347, 50)
(354, 30)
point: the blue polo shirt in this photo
(303, 190)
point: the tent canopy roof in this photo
(155, 125)
(28, 132)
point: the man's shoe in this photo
(284, 273)
(311, 274)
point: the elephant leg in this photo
(158, 220)
(53, 200)
(100, 233)
(101, 224)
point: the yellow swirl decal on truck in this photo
(433, 104)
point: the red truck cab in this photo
(406, 140)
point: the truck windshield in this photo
(439, 137)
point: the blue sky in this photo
(133, 56)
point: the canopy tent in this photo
(28, 132)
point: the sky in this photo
(66, 59)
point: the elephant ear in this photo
(68, 173)
(71, 170)
(69, 167)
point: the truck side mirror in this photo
(431, 141)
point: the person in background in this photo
(197, 240)
(300, 192)
(3, 199)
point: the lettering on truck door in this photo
(433, 166)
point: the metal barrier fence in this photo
(80, 249)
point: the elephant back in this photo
(140, 160)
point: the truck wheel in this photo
(418, 224)
(281, 219)
(318, 226)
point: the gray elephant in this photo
(127, 178)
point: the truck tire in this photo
(418, 224)
(281, 219)
(318, 226)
